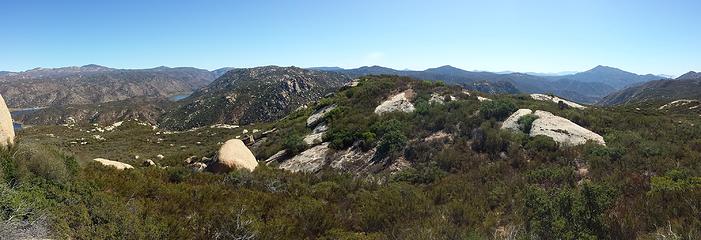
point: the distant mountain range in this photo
(586, 87)
(687, 86)
(43, 87)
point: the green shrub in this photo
(43, 161)
(542, 143)
(526, 122)
(498, 109)
(294, 143)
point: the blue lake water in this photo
(179, 97)
(18, 112)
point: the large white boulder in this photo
(558, 128)
(115, 164)
(309, 161)
(319, 115)
(233, 155)
(556, 99)
(512, 121)
(7, 130)
(396, 103)
(562, 130)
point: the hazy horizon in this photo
(538, 73)
(536, 36)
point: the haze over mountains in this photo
(89, 84)
(586, 87)
(42, 87)
(687, 86)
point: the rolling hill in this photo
(252, 95)
(687, 86)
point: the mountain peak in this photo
(689, 75)
(602, 68)
(93, 66)
(446, 69)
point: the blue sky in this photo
(642, 36)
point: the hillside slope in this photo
(259, 94)
(684, 87)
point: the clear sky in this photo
(642, 36)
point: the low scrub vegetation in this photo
(468, 179)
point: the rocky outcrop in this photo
(317, 134)
(277, 157)
(353, 160)
(7, 130)
(556, 99)
(680, 102)
(310, 161)
(558, 128)
(231, 156)
(319, 115)
(482, 99)
(115, 164)
(512, 121)
(396, 103)
(197, 166)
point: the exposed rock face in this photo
(233, 155)
(277, 157)
(311, 160)
(317, 135)
(562, 130)
(512, 121)
(115, 164)
(559, 129)
(353, 160)
(556, 99)
(319, 115)
(396, 103)
(7, 131)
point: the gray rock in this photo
(319, 115)
(310, 161)
(396, 103)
